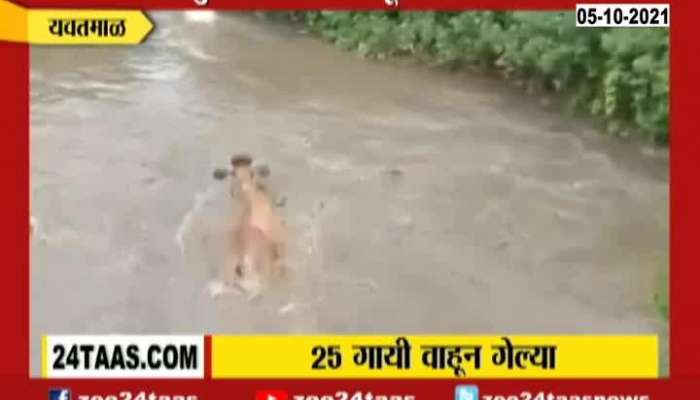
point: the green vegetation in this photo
(661, 296)
(661, 299)
(660, 302)
(619, 75)
(664, 358)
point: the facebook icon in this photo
(59, 394)
(467, 392)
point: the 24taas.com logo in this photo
(59, 394)
(467, 392)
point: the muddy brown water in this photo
(418, 201)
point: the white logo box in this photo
(123, 356)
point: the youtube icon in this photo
(271, 395)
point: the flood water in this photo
(418, 201)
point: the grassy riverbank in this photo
(618, 75)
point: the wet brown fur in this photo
(257, 243)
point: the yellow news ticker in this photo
(581, 356)
(72, 27)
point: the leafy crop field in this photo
(618, 75)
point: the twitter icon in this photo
(467, 392)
